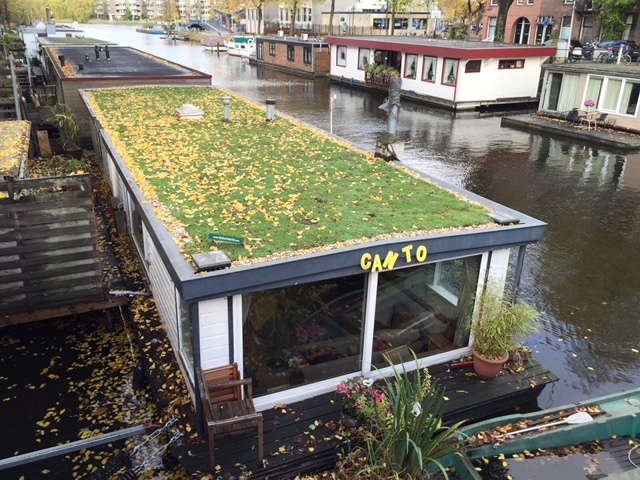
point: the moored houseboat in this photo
(241, 46)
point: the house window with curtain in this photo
(450, 71)
(306, 52)
(272, 49)
(592, 92)
(561, 93)
(341, 56)
(291, 53)
(410, 65)
(363, 58)
(620, 96)
(429, 65)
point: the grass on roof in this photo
(14, 145)
(279, 185)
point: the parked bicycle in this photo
(611, 56)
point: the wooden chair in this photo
(225, 409)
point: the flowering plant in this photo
(310, 333)
(589, 103)
(360, 398)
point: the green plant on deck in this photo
(497, 323)
(63, 118)
(407, 436)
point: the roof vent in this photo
(209, 261)
(189, 112)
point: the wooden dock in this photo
(301, 437)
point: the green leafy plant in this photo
(360, 397)
(407, 435)
(498, 323)
(64, 119)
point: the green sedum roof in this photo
(14, 145)
(282, 187)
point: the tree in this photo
(613, 14)
(294, 6)
(259, 4)
(469, 11)
(333, 9)
(501, 21)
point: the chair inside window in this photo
(226, 410)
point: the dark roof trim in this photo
(99, 78)
(443, 50)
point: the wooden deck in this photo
(299, 439)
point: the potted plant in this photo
(63, 118)
(359, 399)
(296, 376)
(497, 324)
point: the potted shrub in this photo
(296, 376)
(497, 324)
(63, 118)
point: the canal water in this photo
(584, 276)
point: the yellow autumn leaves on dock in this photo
(282, 187)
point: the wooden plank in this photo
(39, 246)
(35, 219)
(62, 311)
(45, 273)
(43, 143)
(52, 232)
(47, 259)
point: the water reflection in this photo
(583, 276)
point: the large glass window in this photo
(630, 94)
(318, 324)
(611, 94)
(594, 86)
(424, 309)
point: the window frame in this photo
(362, 56)
(414, 56)
(291, 53)
(456, 62)
(272, 49)
(424, 67)
(341, 49)
(307, 54)
(511, 63)
(469, 69)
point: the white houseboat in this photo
(453, 74)
(241, 46)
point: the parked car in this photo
(630, 46)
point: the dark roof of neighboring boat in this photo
(123, 62)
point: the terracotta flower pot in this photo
(486, 368)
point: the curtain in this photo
(593, 90)
(429, 68)
(611, 94)
(568, 92)
(630, 95)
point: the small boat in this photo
(156, 30)
(241, 46)
(214, 43)
(613, 421)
